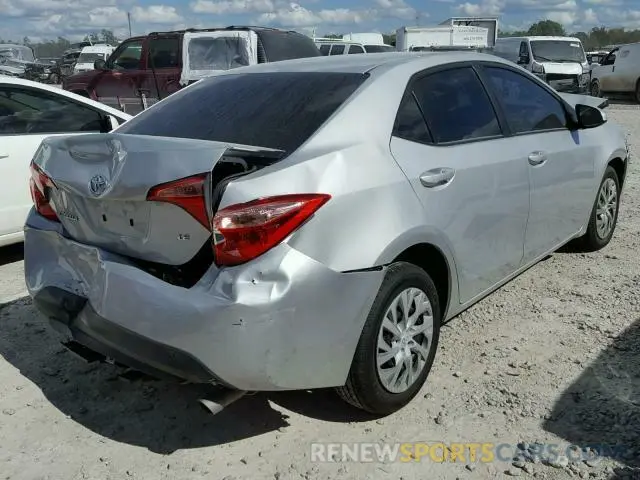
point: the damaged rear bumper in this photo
(282, 321)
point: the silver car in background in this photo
(312, 223)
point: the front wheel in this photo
(604, 215)
(398, 342)
(595, 89)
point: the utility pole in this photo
(129, 20)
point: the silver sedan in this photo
(312, 223)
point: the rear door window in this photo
(164, 53)
(456, 106)
(275, 110)
(355, 49)
(337, 50)
(324, 49)
(410, 124)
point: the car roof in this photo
(539, 37)
(364, 63)
(6, 80)
(219, 29)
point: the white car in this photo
(30, 112)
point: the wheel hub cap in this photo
(404, 340)
(606, 208)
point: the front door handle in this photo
(537, 158)
(3, 156)
(437, 177)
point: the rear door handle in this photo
(4, 156)
(437, 177)
(537, 158)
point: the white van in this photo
(560, 61)
(90, 54)
(618, 72)
(335, 46)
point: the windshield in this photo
(378, 48)
(91, 57)
(273, 110)
(18, 52)
(557, 51)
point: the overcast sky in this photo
(42, 19)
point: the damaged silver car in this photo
(311, 223)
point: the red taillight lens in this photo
(39, 184)
(245, 231)
(186, 193)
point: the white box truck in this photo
(414, 38)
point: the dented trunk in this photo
(102, 186)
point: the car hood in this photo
(82, 77)
(564, 68)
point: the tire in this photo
(637, 92)
(54, 79)
(595, 89)
(595, 239)
(364, 388)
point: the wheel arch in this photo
(430, 251)
(620, 166)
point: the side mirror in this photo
(523, 60)
(100, 64)
(590, 117)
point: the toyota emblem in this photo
(97, 185)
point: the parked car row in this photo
(290, 248)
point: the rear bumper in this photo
(283, 321)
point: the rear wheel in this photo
(595, 89)
(398, 342)
(604, 215)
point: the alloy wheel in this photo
(404, 340)
(606, 208)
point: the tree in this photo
(107, 36)
(547, 28)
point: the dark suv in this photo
(146, 69)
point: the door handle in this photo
(613, 69)
(3, 156)
(537, 158)
(437, 177)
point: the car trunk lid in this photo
(103, 182)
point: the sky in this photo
(73, 19)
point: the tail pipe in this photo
(217, 403)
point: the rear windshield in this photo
(273, 110)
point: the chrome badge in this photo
(97, 185)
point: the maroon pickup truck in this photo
(146, 69)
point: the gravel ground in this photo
(553, 357)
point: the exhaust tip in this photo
(219, 402)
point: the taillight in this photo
(186, 193)
(244, 231)
(39, 184)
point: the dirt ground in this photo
(553, 357)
